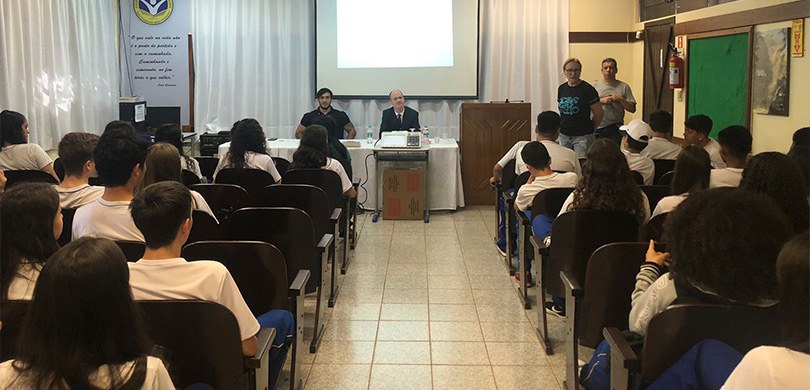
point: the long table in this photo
(445, 190)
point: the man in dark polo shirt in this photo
(342, 120)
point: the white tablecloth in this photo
(445, 190)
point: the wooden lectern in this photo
(488, 130)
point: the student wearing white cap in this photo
(635, 136)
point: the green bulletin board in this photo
(718, 79)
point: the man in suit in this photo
(398, 117)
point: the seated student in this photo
(778, 176)
(313, 152)
(76, 155)
(635, 136)
(661, 146)
(162, 211)
(606, 184)
(709, 363)
(735, 144)
(248, 150)
(119, 157)
(162, 163)
(17, 153)
(83, 331)
(30, 223)
(337, 150)
(692, 170)
(538, 162)
(172, 135)
(562, 160)
(723, 246)
(697, 132)
(800, 151)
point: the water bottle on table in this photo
(369, 134)
(426, 136)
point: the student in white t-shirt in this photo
(635, 136)
(248, 150)
(661, 146)
(17, 153)
(696, 132)
(162, 211)
(692, 170)
(172, 134)
(119, 157)
(735, 145)
(30, 224)
(563, 159)
(82, 329)
(313, 152)
(76, 156)
(163, 164)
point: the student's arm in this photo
(351, 192)
(3, 181)
(299, 131)
(596, 109)
(350, 131)
(49, 169)
(628, 105)
(497, 174)
(250, 346)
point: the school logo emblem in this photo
(153, 11)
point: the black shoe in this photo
(555, 310)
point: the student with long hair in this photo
(313, 152)
(30, 223)
(779, 177)
(248, 149)
(607, 184)
(163, 164)
(17, 153)
(172, 134)
(337, 150)
(83, 331)
(692, 171)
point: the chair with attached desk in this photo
(260, 271)
(507, 182)
(252, 180)
(511, 219)
(203, 344)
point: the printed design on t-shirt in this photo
(569, 105)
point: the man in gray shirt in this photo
(616, 97)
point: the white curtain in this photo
(255, 58)
(58, 65)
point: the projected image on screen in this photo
(394, 34)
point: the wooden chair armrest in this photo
(335, 215)
(537, 243)
(326, 240)
(621, 348)
(300, 282)
(572, 286)
(265, 338)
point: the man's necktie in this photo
(399, 118)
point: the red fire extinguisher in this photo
(676, 71)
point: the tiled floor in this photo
(431, 306)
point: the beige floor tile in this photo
(444, 230)
(455, 313)
(405, 241)
(455, 331)
(453, 268)
(468, 215)
(449, 282)
(361, 265)
(502, 313)
(403, 255)
(402, 352)
(364, 281)
(338, 376)
(509, 331)
(450, 257)
(527, 377)
(403, 331)
(350, 330)
(400, 269)
(494, 297)
(351, 296)
(344, 352)
(493, 266)
(456, 297)
(516, 354)
(406, 282)
(356, 312)
(463, 377)
(392, 295)
(491, 282)
(404, 312)
(400, 377)
(459, 353)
